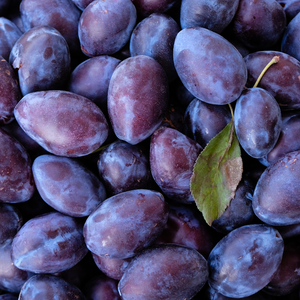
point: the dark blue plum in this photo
(63, 123)
(204, 121)
(111, 267)
(288, 141)
(67, 186)
(42, 58)
(16, 180)
(290, 43)
(257, 121)
(291, 8)
(186, 227)
(214, 15)
(123, 167)
(222, 75)
(148, 7)
(9, 91)
(62, 15)
(115, 21)
(137, 100)
(82, 4)
(31, 146)
(91, 79)
(49, 287)
(244, 261)
(106, 230)
(259, 25)
(154, 36)
(286, 278)
(239, 211)
(9, 34)
(276, 195)
(11, 221)
(11, 277)
(167, 272)
(48, 243)
(172, 158)
(102, 287)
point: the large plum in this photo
(172, 157)
(62, 15)
(137, 98)
(49, 287)
(154, 36)
(42, 58)
(62, 122)
(67, 186)
(276, 196)
(209, 66)
(106, 230)
(244, 261)
(257, 121)
(9, 92)
(214, 15)
(48, 243)
(16, 180)
(167, 272)
(114, 21)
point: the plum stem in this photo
(274, 60)
(231, 110)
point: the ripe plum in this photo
(62, 15)
(11, 221)
(154, 36)
(67, 186)
(290, 41)
(115, 21)
(186, 227)
(91, 79)
(287, 141)
(259, 24)
(137, 98)
(172, 157)
(102, 287)
(111, 267)
(123, 167)
(286, 278)
(166, 272)
(41, 56)
(204, 121)
(11, 277)
(9, 34)
(9, 91)
(62, 122)
(214, 15)
(48, 243)
(16, 180)
(275, 198)
(257, 121)
(106, 230)
(244, 261)
(239, 211)
(209, 66)
(148, 7)
(49, 287)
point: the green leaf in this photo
(217, 173)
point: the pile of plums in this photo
(105, 106)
